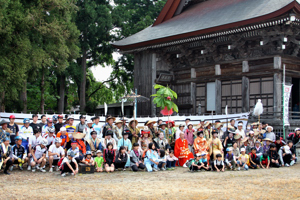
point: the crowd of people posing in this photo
(159, 145)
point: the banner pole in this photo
(283, 83)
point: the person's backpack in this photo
(189, 162)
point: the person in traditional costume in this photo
(125, 142)
(108, 125)
(246, 145)
(6, 155)
(215, 145)
(78, 138)
(221, 135)
(135, 132)
(201, 145)
(182, 151)
(93, 144)
(162, 128)
(151, 158)
(260, 130)
(161, 142)
(153, 131)
(170, 133)
(200, 127)
(207, 131)
(109, 139)
(254, 126)
(251, 139)
(189, 136)
(239, 133)
(118, 130)
(180, 130)
(145, 140)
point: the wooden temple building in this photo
(215, 53)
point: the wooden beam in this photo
(245, 66)
(218, 97)
(245, 94)
(217, 69)
(277, 62)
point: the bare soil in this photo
(282, 183)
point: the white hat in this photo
(240, 124)
(269, 127)
(243, 149)
(71, 117)
(44, 142)
(297, 129)
(63, 129)
(89, 122)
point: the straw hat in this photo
(78, 135)
(133, 120)
(150, 122)
(237, 136)
(110, 117)
(218, 125)
(267, 139)
(207, 124)
(256, 132)
(269, 127)
(254, 123)
(118, 121)
(244, 140)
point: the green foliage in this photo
(164, 97)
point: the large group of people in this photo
(120, 144)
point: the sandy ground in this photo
(282, 183)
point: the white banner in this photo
(195, 120)
(287, 93)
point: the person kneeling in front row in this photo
(69, 164)
(136, 159)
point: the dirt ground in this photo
(282, 183)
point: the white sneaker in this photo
(51, 170)
(154, 169)
(57, 168)
(37, 166)
(63, 175)
(184, 165)
(292, 163)
(11, 168)
(239, 168)
(42, 170)
(33, 170)
(72, 174)
(29, 168)
(163, 169)
(287, 165)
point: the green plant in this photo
(164, 97)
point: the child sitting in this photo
(253, 159)
(196, 163)
(243, 160)
(230, 159)
(161, 160)
(171, 160)
(121, 158)
(151, 158)
(109, 158)
(99, 161)
(89, 159)
(204, 161)
(218, 164)
(274, 157)
(265, 161)
(266, 146)
(136, 159)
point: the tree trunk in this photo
(2, 103)
(23, 96)
(83, 83)
(43, 91)
(62, 86)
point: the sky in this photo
(103, 73)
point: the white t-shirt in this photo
(51, 140)
(26, 132)
(66, 159)
(39, 152)
(59, 150)
(33, 141)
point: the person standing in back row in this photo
(14, 129)
(59, 124)
(34, 125)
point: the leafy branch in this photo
(164, 97)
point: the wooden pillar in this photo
(277, 85)
(245, 94)
(193, 98)
(218, 96)
(153, 77)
